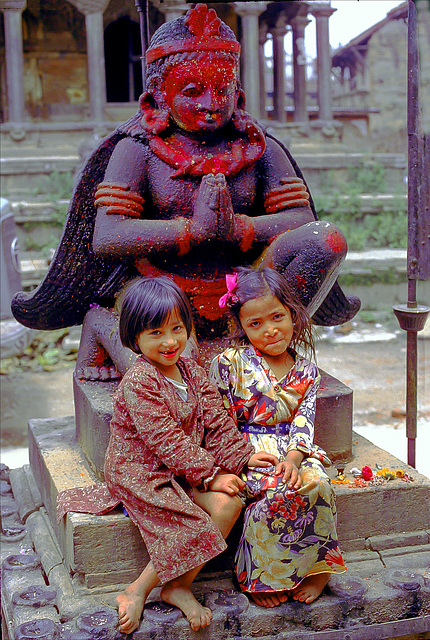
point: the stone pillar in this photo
(172, 9)
(298, 25)
(93, 11)
(322, 12)
(262, 70)
(278, 34)
(249, 12)
(12, 11)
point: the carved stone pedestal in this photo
(106, 552)
(93, 404)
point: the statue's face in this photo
(201, 96)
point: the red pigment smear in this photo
(336, 242)
(301, 281)
(100, 357)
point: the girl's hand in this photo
(262, 459)
(227, 483)
(290, 474)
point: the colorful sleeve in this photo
(302, 425)
(220, 374)
(222, 437)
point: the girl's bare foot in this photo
(269, 599)
(183, 598)
(130, 607)
(132, 600)
(310, 588)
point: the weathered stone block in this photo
(93, 408)
(102, 545)
(382, 509)
(333, 419)
(93, 403)
(391, 541)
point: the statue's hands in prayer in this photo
(262, 459)
(227, 483)
(290, 474)
(226, 217)
(214, 216)
(204, 223)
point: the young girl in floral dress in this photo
(289, 543)
(173, 457)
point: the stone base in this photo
(385, 593)
(108, 549)
(97, 548)
(93, 407)
(93, 403)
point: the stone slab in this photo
(381, 603)
(333, 418)
(89, 544)
(397, 506)
(103, 550)
(93, 405)
(93, 410)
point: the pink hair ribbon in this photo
(229, 297)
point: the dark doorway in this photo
(122, 60)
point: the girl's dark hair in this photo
(256, 283)
(147, 303)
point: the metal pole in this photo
(412, 316)
(413, 212)
(142, 8)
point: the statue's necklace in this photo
(242, 152)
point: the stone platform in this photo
(93, 409)
(57, 582)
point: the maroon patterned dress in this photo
(160, 447)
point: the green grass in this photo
(388, 228)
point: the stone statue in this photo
(191, 187)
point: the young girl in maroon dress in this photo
(174, 454)
(289, 543)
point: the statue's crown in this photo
(199, 30)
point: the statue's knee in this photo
(330, 236)
(318, 237)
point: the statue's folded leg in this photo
(101, 355)
(310, 258)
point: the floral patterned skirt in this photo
(286, 536)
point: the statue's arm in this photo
(121, 228)
(286, 198)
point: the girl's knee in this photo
(228, 508)
(231, 504)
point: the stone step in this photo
(107, 550)
(385, 593)
(378, 598)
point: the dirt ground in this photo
(374, 370)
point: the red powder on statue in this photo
(336, 242)
(301, 281)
